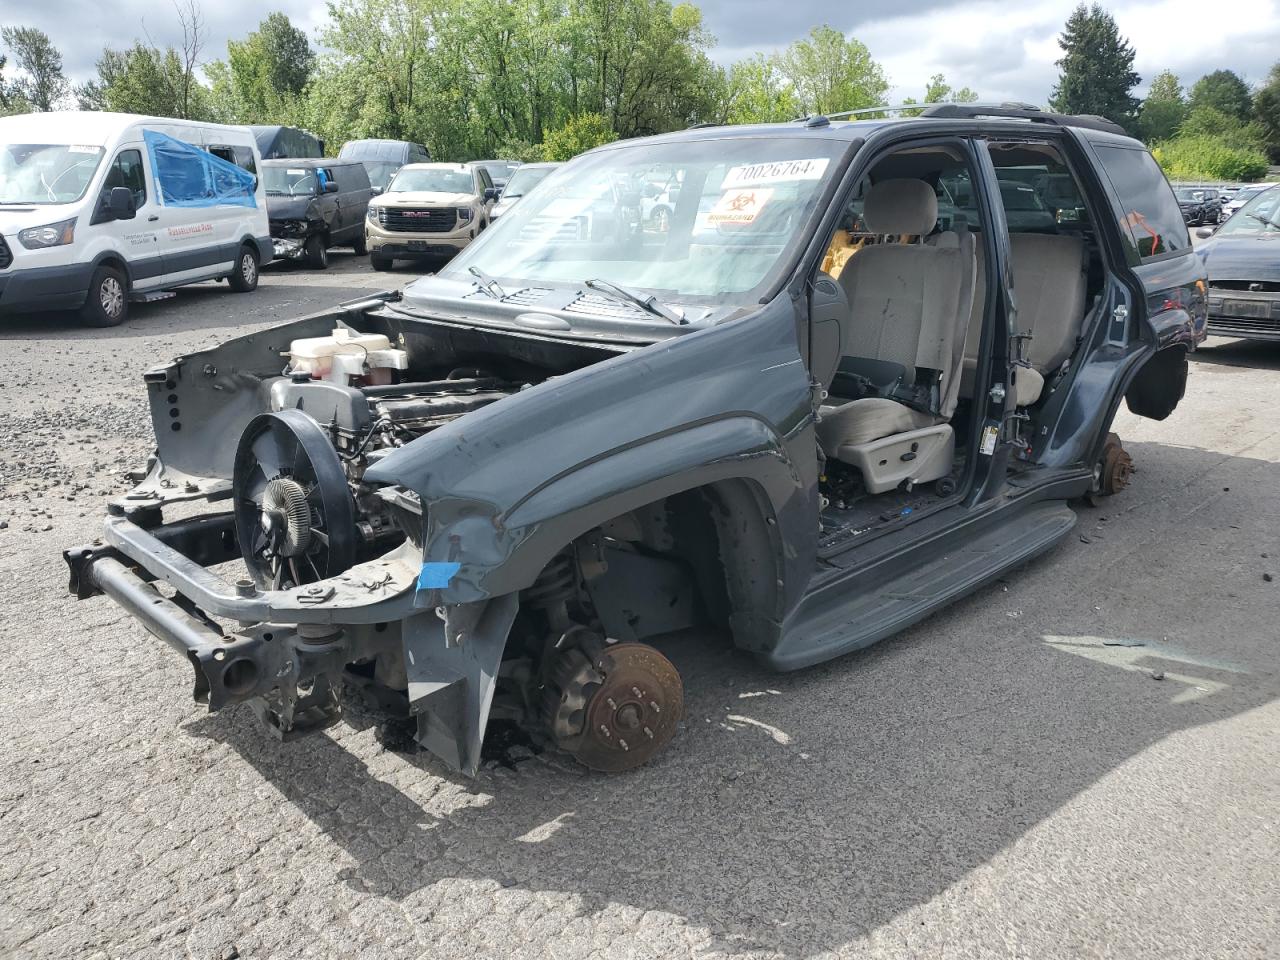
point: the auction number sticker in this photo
(739, 206)
(776, 171)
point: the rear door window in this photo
(352, 177)
(1151, 223)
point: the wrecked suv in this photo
(803, 417)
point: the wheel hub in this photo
(1117, 468)
(617, 711)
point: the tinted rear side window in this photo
(1151, 223)
(351, 176)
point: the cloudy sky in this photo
(1001, 49)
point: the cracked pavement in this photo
(1006, 779)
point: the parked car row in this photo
(1243, 263)
(98, 210)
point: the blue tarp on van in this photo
(187, 176)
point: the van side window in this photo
(242, 157)
(352, 176)
(1151, 222)
(126, 171)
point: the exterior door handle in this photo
(153, 218)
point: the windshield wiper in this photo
(1261, 219)
(487, 283)
(649, 304)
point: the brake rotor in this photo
(616, 712)
(1117, 466)
(1112, 472)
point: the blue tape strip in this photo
(436, 576)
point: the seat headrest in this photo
(901, 206)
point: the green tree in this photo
(1266, 112)
(937, 90)
(468, 76)
(1097, 67)
(580, 134)
(146, 80)
(759, 92)
(830, 74)
(11, 99)
(264, 74)
(1163, 110)
(1211, 123)
(1223, 90)
(45, 85)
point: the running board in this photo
(151, 296)
(854, 614)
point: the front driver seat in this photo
(905, 309)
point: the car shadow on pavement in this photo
(1258, 354)
(797, 812)
(739, 829)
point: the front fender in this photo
(507, 486)
(506, 552)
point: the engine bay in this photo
(342, 402)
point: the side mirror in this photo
(492, 193)
(330, 187)
(1204, 233)
(120, 204)
(377, 191)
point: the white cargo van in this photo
(97, 209)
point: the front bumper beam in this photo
(289, 649)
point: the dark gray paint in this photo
(510, 484)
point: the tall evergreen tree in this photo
(1097, 67)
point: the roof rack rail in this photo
(952, 110)
(1019, 111)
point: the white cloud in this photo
(1007, 52)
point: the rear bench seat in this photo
(1050, 277)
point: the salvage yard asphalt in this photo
(1080, 760)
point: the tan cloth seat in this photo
(1050, 285)
(906, 307)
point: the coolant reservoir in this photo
(347, 356)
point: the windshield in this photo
(289, 181)
(380, 172)
(46, 172)
(525, 179)
(1019, 196)
(499, 169)
(1196, 194)
(432, 181)
(1260, 215)
(743, 209)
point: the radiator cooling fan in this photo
(295, 519)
